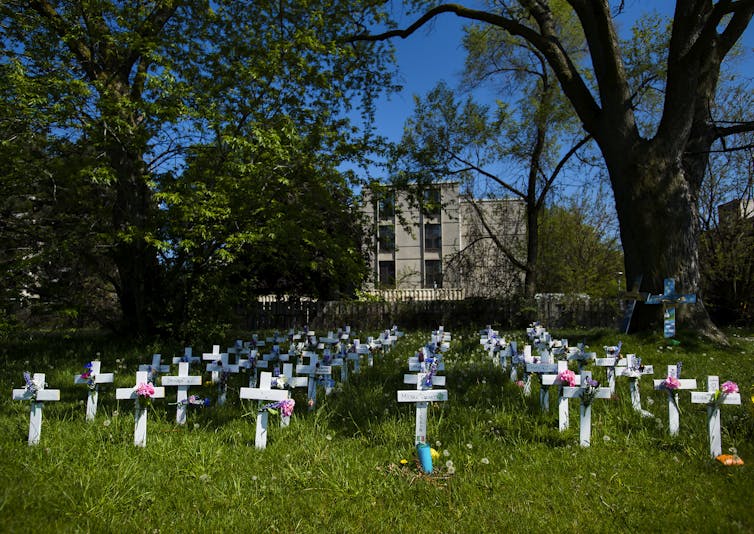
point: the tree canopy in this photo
(176, 137)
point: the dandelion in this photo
(196, 425)
(438, 444)
(106, 422)
(451, 470)
(253, 478)
(469, 446)
(605, 438)
(115, 413)
(485, 461)
(404, 461)
(446, 453)
(449, 464)
(328, 437)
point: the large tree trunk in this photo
(657, 211)
(138, 280)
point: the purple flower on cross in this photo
(285, 406)
(88, 375)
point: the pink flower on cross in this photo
(145, 389)
(567, 377)
(729, 387)
(671, 383)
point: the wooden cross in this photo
(35, 392)
(587, 391)
(140, 412)
(263, 393)
(182, 382)
(633, 370)
(93, 378)
(713, 398)
(154, 368)
(669, 300)
(672, 384)
(223, 369)
(563, 408)
(421, 398)
(187, 357)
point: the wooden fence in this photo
(554, 311)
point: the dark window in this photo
(433, 273)
(386, 206)
(387, 238)
(432, 237)
(387, 274)
(432, 202)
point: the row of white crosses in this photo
(714, 397)
(426, 364)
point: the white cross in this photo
(563, 408)
(251, 364)
(421, 398)
(609, 363)
(632, 369)
(182, 382)
(544, 366)
(263, 393)
(293, 382)
(585, 408)
(213, 357)
(674, 414)
(313, 370)
(93, 378)
(223, 369)
(713, 410)
(516, 358)
(35, 392)
(582, 357)
(187, 357)
(154, 368)
(140, 412)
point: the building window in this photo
(386, 206)
(432, 237)
(387, 238)
(433, 273)
(387, 275)
(432, 202)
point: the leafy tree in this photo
(148, 86)
(656, 174)
(576, 253)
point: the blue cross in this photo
(669, 299)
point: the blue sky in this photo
(435, 53)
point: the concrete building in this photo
(435, 239)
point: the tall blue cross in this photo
(669, 299)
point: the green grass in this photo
(339, 468)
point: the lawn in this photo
(349, 465)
